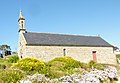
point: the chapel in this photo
(47, 46)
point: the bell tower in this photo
(21, 23)
(21, 30)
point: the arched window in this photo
(21, 21)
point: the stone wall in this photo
(21, 45)
(83, 54)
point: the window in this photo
(94, 55)
(64, 52)
(21, 21)
(22, 25)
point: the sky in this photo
(83, 17)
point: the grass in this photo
(117, 55)
(7, 62)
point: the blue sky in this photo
(83, 17)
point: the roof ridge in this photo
(65, 34)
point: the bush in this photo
(91, 63)
(30, 65)
(2, 60)
(65, 63)
(53, 70)
(2, 66)
(117, 55)
(61, 66)
(35, 78)
(55, 73)
(96, 65)
(84, 66)
(13, 59)
(11, 76)
(100, 66)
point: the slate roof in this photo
(64, 40)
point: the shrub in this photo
(8, 65)
(2, 60)
(2, 66)
(11, 76)
(117, 55)
(35, 78)
(13, 59)
(92, 63)
(65, 63)
(108, 75)
(96, 65)
(55, 73)
(30, 65)
(53, 70)
(61, 66)
(84, 66)
(100, 66)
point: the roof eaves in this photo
(69, 45)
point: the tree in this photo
(4, 48)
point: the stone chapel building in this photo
(46, 46)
